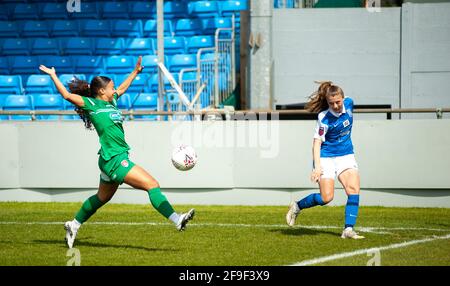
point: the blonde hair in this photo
(318, 100)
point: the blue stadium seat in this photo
(39, 83)
(45, 46)
(4, 65)
(54, 11)
(35, 29)
(69, 106)
(88, 11)
(182, 61)
(109, 46)
(95, 28)
(127, 28)
(233, 7)
(4, 13)
(141, 10)
(17, 46)
(24, 64)
(47, 102)
(62, 64)
(89, 64)
(147, 101)
(188, 27)
(120, 64)
(174, 9)
(124, 101)
(114, 10)
(154, 83)
(174, 45)
(77, 46)
(25, 11)
(140, 84)
(11, 84)
(210, 25)
(150, 62)
(197, 42)
(64, 28)
(140, 46)
(18, 102)
(9, 29)
(204, 9)
(150, 28)
(67, 78)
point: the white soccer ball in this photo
(184, 157)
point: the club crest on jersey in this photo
(346, 123)
(124, 163)
(321, 131)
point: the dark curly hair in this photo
(83, 88)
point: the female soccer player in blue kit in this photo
(333, 155)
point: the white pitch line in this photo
(379, 230)
(364, 251)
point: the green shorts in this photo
(115, 169)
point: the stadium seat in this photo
(127, 28)
(77, 46)
(89, 64)
(174, 45)
(4, 13)
(9, 29)
(114, 10)
(167, 86)
(140, 46)
(234, 6)
(47, 102)
(141, 10)
(4, 65)
(109, 46)
(62, 64)
(210, 25)
(188, 27)
(150, 28)
(64, 28)
(67, 78)
(45, 46)
(38, 83)
(88, 11)
(150, 62)
(69, 106)
(204, 9)
(124, 101)
(120, 64)
(11, 84)
(174, 9)
(25, 11)
(182, 61)
(140, 84)
(35, 29)
(147, 101)
(197, 42)
(18, 46)
(18, 102)
(24, 64)
(95, 28)
(51, 11)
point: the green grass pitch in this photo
(119, 234)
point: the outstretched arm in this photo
(74, 98)
(126, 84)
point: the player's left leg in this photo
(350, 180)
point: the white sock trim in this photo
(174, 217)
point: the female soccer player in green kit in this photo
(96, 103)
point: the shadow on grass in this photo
(299, 231)
(102, 245)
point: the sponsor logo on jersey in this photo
(346, 123)
(321, 131)
(124, 163)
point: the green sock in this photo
(160, 202)
(89, 207)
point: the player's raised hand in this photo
(139, 66)
(47, 70)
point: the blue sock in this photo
(351, 210)
(310, 201)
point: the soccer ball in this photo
(184, 157)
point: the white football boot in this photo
(292, 214)
(350, 233)
(71, 233)
(184, 219)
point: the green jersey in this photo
(107, 120)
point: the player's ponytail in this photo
(318, 100)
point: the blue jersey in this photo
(335, 131)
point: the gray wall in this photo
(240, 162)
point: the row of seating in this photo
(320, 3)
(120, 10)
(102, 46)
(108, 28)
